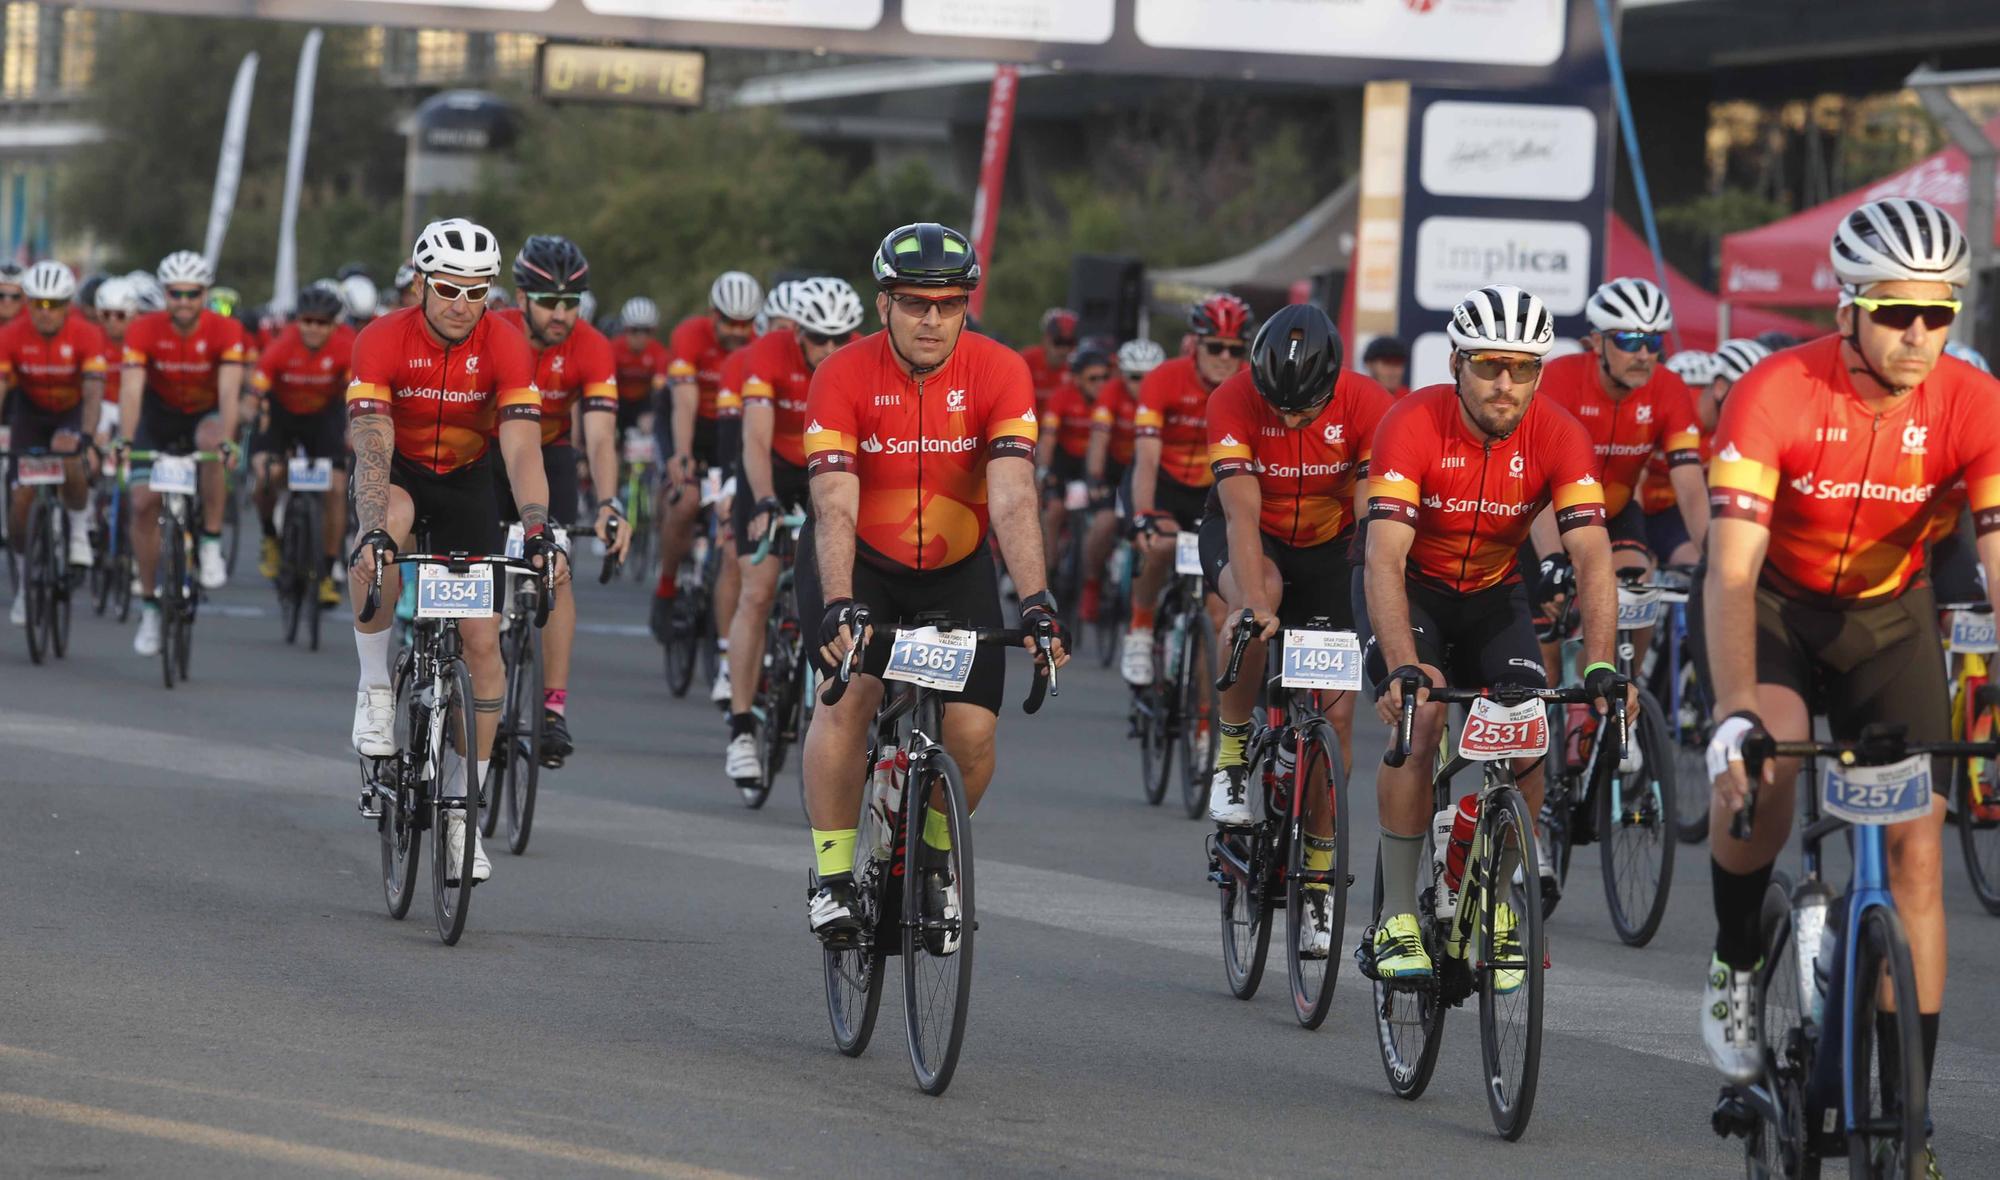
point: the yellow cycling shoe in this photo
(329, 592)
(1399, 949)
(267, 562)
(1507, 949)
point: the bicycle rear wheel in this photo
(1246, 916)
(62, 585)
(1635, 832)
(937, 943)
(1888, 1139)
(854, 974)
(1776, 1148)
(294, 591)
(173, 584)
(683, 634)
(1690, 733)
(1509, 972)
(522, 780)
(1199, 712)
(34, 576)
(1978, 782)
(453, 791)
(1409, 1021)
(401, 844)
(1313, 980)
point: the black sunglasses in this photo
(1218, 348)
(822, 339)
(1899, 314)
(552, 301)
(314, 322)
(1063, 341)
(1653, 342)
(184, 294)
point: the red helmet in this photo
(1059, 323)
(1222, 315)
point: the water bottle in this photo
(1811, 943)
(1464, 821)
(1288, 760)
(886, 799)
(1444, 900)
(1823, 964)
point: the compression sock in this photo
(374, 652)
(1401, 856)
(1142, 618)
(937, 831)
(555, 700)
(741, 723)
(1235, 734)
(833, 852)
(1319, 857)
(1739, 899)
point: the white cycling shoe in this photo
(454, 845)
(374, 722)
(718, 693)
(1135, 658)
(739, 762)
(1729, 1022)
(79, 540)
(1229, 797)
(214, 570)
(1316, 940)
(18, 613)
(147, 641)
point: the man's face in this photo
(1496, 387)
(113, 323)
(1904, 354)
(924, 322)
(1631, 357)
(816, 348)
(314, 331)
(1218, 358)
(48, 315)
(1091, 379)
(551, 318)
(1390, 373)
(10, 300)
(733, 334)
(184, 304)
(453, 303)
(637, 338)
(1058, 347)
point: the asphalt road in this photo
(199, 979)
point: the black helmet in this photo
(1296, 358)
(926, 254)
(550, 265)
(1385, 348)
(1088, 356)
(321, 301)
(86, 294)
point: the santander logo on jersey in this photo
(876, 445)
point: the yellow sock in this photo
(1319, 857)
(937, 831)
(1235, 735)
(834, 851)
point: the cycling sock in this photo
(1142, 618)
(1235, 734)
(555, 700)
(269, 525)
(1319, 856)
(833, 852)
(666, 587)
(742, 723)
(1929, 1020)
(374, 653)
(1739, 899)
(1401, 855)
(937, 831)
(722, 644)
(214, 537)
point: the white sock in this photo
(374, 653)
(79, 520)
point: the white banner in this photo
(285, 282)
(1533, 31)
(229, 166)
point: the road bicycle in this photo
(1671, 674)
(514, 765)
(912, 777)
(1177, 715)
(173, 479)
(1295, 754)
(1975, 786)
(44, 572)
(1836, 969)
(1461, 913)
(786, 677)
(641, 455)
(301, 515)
(112, 574)
(691, 632)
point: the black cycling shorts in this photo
(969, 592)
(1064, 469)
(788, 484)
(31, 428)
(1628, 529)
(559, 467)
(163, 428)
(1479, 640)
(1317, 577)
(629, 412)
(1184, 503)
(323, 435)
(706, 449)
(1666, 532)
(456, 512)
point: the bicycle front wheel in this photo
(1776, 1146)
(1199, 712)
(1509, 960)
(1887, 1140)
(937, 944)
(62, 586)
(173, 585)
(35, 589)
(1313, 975)
(401, 845)
(524, 748)
(453, 793)
(1635, 831)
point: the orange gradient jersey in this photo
(1852, 497)
(1067, 413)
(300, 381)
(1114, 411)
(1305, 476)
(1624, 433)
(775, 375)
(695, 353)
(49, 370)
(637, 367)
(182, 371)
(920, 447)
(729, 390)
(578, 372)
(1173, 407)
(1471, 500)
(444, 399)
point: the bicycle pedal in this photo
(368, 807)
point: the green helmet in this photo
(926, 254)
(223, 300)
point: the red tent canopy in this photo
(1695, 313)
(1784, 264)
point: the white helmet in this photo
(457, 246)
(586, 307)
(359, 294)
(146, 288)
(184, 266)
(736, 295)
(1900, 239)
(827, 306)
(1502, 318)
(49, 279)
(1693, 366)
(406, 276)
(639, 312)
(781, 300)
(1140, 356)
(1737, 357)
(1629, 305)
(117, 294)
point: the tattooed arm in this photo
(373, 437)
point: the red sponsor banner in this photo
(993, 170)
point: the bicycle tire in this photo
(524, 761)
(770, 707)
(1200, 713)
(493, 791)
(452, 902)
(291, 581)
(402, 845)
(1311, 999)
(854, 973)
(934, 1043)
(1417, 1011)
(1506, 838)
(1246, 915)
(1882, 950)
(1778, 1148)
(1154, 705)
(682, 636)
(232, 521)
(1978, 837)
(34, 585)
(313, 568)
(1691, 755)
(1636, 891)
(62, 588)
(173, 583)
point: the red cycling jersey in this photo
(579, 371)
(1043, 373)
(1173, 407)
(637, 367)
(1471, 500)
(696, 354)
(298, 379)
(182, 371)
(1114, 412)
(1656, 490)
(1068, 415)
(1305, 476)
(775, 375)
(1624, 433)
(50, 369)
(445, 399)
(729, 390)
(920, 447)
(1852, 497)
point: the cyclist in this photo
(1302, 427)
(301, 379)
(183, 374)
(1733, 361)
(641, 361)
(12, 300)
(1387, 360)
(1666, 529)
(1113, 435)
(117, 303)
(1835, 462)
(1048, 361)
(54, 363)
(1167, 485)
(1066, 431)
(823, 314)
(432, 383)
(1457, 474)
(920, 440)
(358, 292)
(408, 294)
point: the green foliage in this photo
(1721, 213)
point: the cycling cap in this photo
(1223, 315)
(1629, 305)
(550, 265)
(1737, 357)
(185, 266)
(639, 312)
(828, 306)
(1140, 356)
(1504, 319)
(1296, 358)
(457, 246)
(926, 254)
(735, 295)
(49, 279)
(1900, 239)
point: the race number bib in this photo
(1495, 731)
(1637, 609)
(641, 448)
(1877, 795)
(38, 470)
(1187, 554)
(517, 539)
(309, 475)
(173, 475)
(442, 594)
(1076, 495)
(1972, 633)
(1328, 660)
(931, 658)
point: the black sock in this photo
(1739, 902)
(208, 536)
(270, 528)
(742, 723)
(1930, 1024)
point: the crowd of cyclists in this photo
(1461, 531)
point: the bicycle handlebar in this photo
(788, 521)
(459, 563)
(1043, 633)
(1877, 746)
(1507, 694)
(609, 569)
